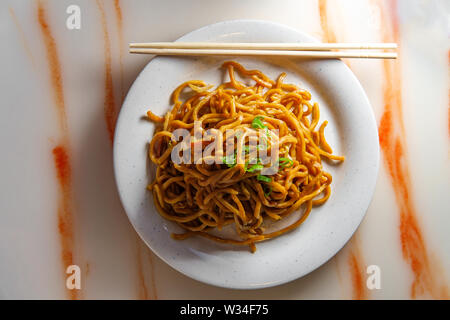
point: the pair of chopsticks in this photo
(306, 50)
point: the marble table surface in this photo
(62, 89)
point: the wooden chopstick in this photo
(289, 53)
(264, 46)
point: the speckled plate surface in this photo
(351, 131)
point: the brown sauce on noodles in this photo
(201, 197)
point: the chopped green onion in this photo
(257, 123)
(260, 177)
(255, 167)
(230, 160)
(285, 162)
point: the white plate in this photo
(352, 132)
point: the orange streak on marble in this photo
(111, 114)
(87, 269)
(357, 272)
(392, 142)
(356, 259)
(119, 20)
(338, 270)
(328, 33)
(23, 39)
(54, 65)
(109, 101)
(143, 290)
(60, 153)
(65, 220)
(152, 274)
